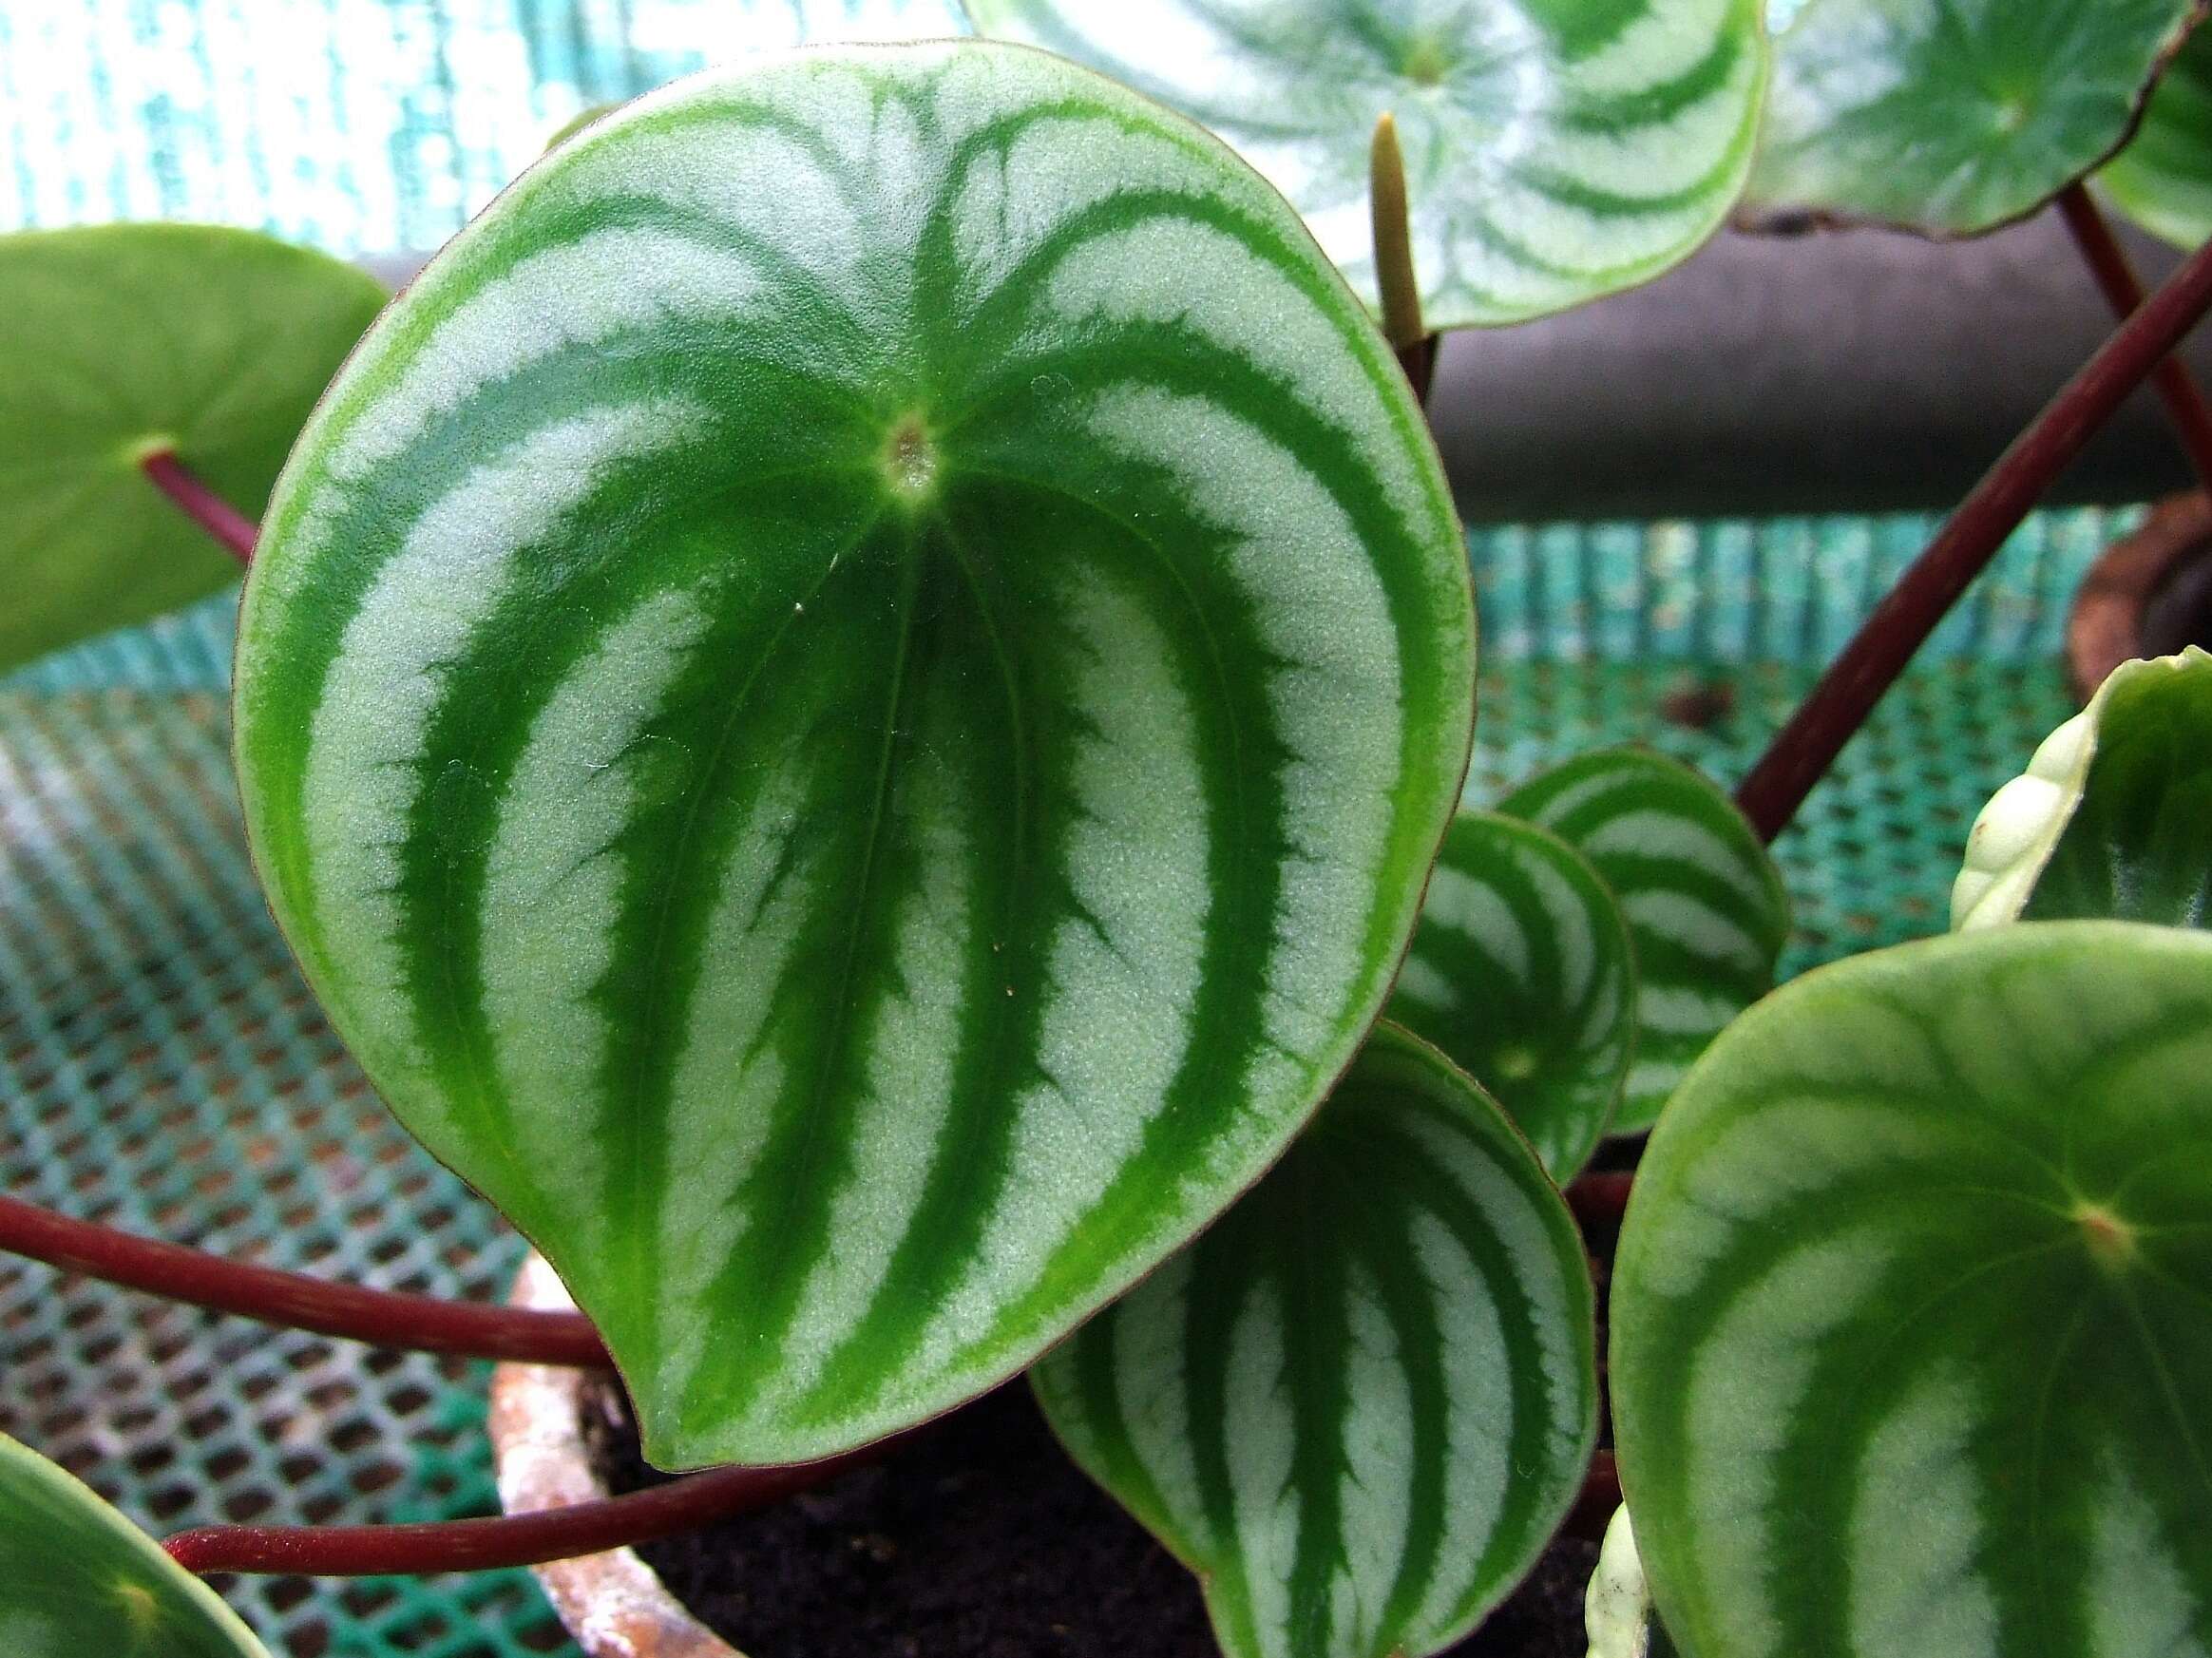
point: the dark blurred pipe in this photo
(1841, 371)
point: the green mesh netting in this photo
(164, 1069)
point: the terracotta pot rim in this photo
(2105, 625)
(612, 1604)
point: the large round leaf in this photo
(121, 339)
(1520, 971)
(1555, 151)
(1954, 118)
(1707, 913)
(1909, 1344)
(847, 705)
(2162, 180)
(1358, 1406)
(2113, 816)
(77, 1580)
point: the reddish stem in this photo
(1804, 749)
(504, 1540)
(1594, 1507)
(383, 1317)
(1600, 1200)
(2108, 261)
(218, 517)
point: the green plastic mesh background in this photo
(164, 1069)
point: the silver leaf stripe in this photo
(1707, 913)
(846, 704)
(1358, 1406)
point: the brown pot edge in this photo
(2104, 627)
(612, 1604)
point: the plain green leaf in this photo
(77, 1580)
(1358, 1406)
(1910, 1351)
(122, 339)
(1707, 913)
(1521, 972)
(2162, 180)
(2113, 816)
(847, 706)
(1948, 117)
(1556, 150)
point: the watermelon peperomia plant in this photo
(857, 705)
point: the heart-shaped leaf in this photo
(2162, 180)
(77, 1580)
(1555, 151)
(847, 706)
(1908, 1344)
(2113, 816)
(1618, 1612)
(1707, 913)
(1359, 1405)
(1948, 118)
(121, 339)
(1520, 971)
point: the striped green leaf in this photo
(1520, 971)
(1556, 150)
(1617, 1613)
(1707, 913)
(2162, 180)
(77, 1580)
(1948, 117)
(847, 705)
(1909, 1346)
(2113, 816)
(121, 339)
(1359, 1405)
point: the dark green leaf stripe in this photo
(77, 1580)
(2113, 816)
(1555, 150)
(1953, 116)
(1707, 913)
(847, 705)
(2162, 180)
(1358, 1405)
(1520, 971)
(1909, 1340)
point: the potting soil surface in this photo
(980, 1539)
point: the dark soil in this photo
(980, 1539)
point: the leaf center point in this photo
(2112, 1240)
(909, 461)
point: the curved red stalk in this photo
(504, 1540)
(2108, 261)
(383, 1317)
(1804, 749)
(218, 517)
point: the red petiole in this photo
(218, 517)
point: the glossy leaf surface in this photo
(1555, 151)
(1705, 910)
(1909, 1346)
(847, 706)
(2113, 816)
(1520, 971)
(2162, 180)
(122, 339)
(77, 1580)
(1360, 1404)
(1948, 117)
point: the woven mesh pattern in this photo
(164, 1069)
